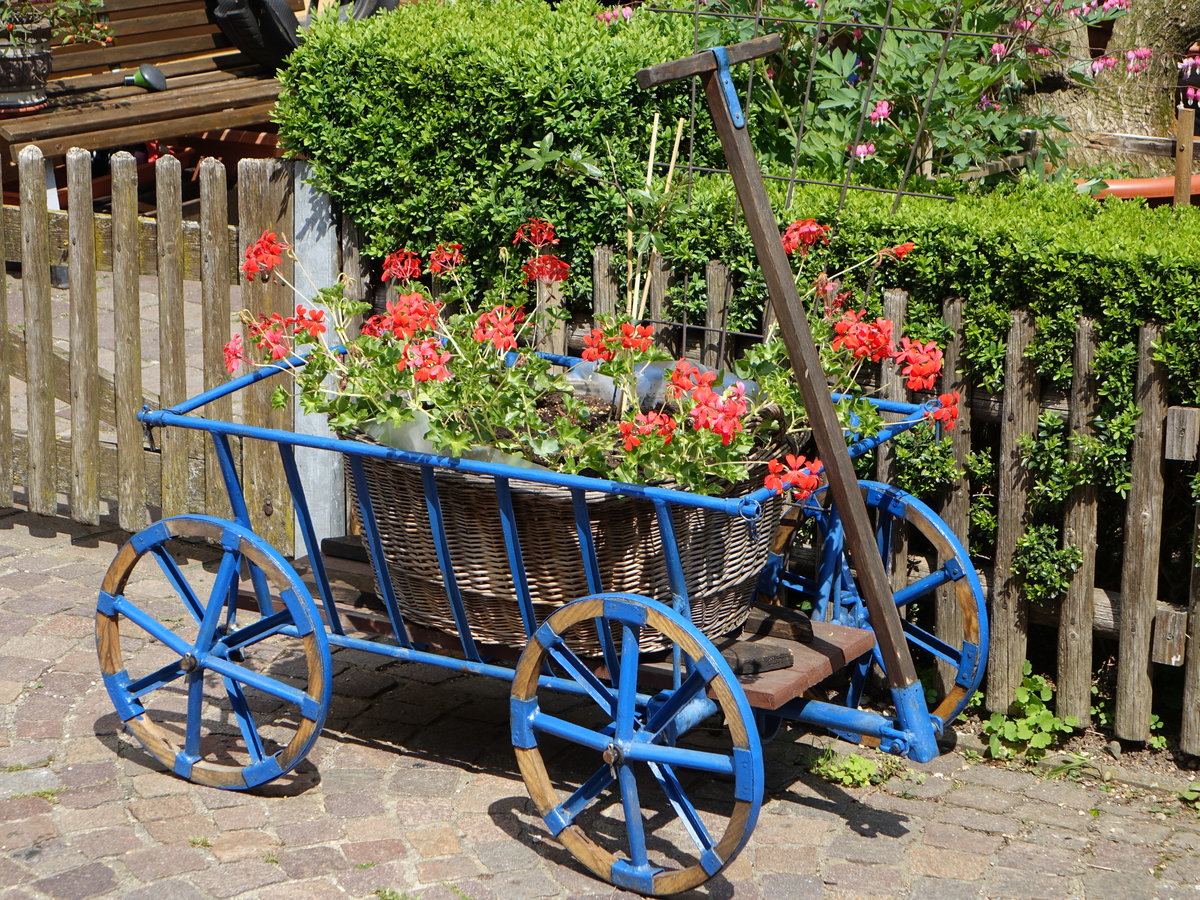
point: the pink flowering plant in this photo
(453, 371)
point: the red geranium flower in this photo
(263, 255)
(235, 353)
(498, 326)
(799, 473)
(947, 414)
(427, 359)
(596, 346)
(864, 339)
(546, 268)
(310, 320)
(403, 265)
(537, 232)
(445, 258)
(804, 235)
(637, 338)
(921, 363)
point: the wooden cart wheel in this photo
(950, 647)
(216, 691)
(652, 791)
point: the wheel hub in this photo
(189, 663)
(614, 755)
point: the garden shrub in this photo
(414, 120)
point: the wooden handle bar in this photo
(706, 62)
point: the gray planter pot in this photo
(24, 68)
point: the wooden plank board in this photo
(1142, 144)
(6, 358)
(833, 647)
(1182, 433)
(1143, 538)
(1079, 529)
(141, 108)
(1010, 608)
(1189, 732)
(216, 257)
(127, 57)
(231, 62)
(113, 88)
(257, 114)
(147, 237)
(168, 185)
(84, 343)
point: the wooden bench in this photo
(211, 85)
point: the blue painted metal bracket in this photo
(727, 88)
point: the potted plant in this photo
(467, 384)
(27, 28)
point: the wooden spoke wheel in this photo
(632, 768)
(943, 607)
(223, 693)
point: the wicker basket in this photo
(721, 554)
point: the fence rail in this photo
(69, 437)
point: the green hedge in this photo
(415, 119)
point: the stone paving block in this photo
(1185, 869)
(305, 834)
(524, 883)
(475, 890)
(25, 833)
(164, 861)
(447, 868)
(1061, 792)
(91, 795)
(184, 828)
(83, 883)
(866, 850)
(237, 818)
(1098, 883)
(979, 821)
(1016, 884)
(236, 879)
(353, 805)
(862, 879)
(956, 837)
(437, 840)
(939, 862)
(310, 862)
(785, 859)
(105, 842)
(790, 830)
(1037, 858)
(363, 882)
(308, 889)
(929, 888)
(168, 807)
(231, 846)
(370, 853)
(1126, 857)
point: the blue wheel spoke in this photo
(666, 779)
(604, 696)
(680, 758)
(932, 644)
(569, 731)
(287, 693)
(922, 587)
(241, 711)
(260, 630)
(627, 685)
(195, 713)
(691, 687)
(226, 581)
(634, 826)
(170, 570)
(585, 794)
(611, 661)
(151, 625)
(155, 680)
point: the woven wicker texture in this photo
(721, 555)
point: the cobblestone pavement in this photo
(413, 789)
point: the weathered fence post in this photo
(172, 349)
(1010, 609)
(720, 292)
(215, 313)
(265, 204)
(85, 365)
(1077, 614)
(955, 506)
(604, 282)
(1189, 733)
(1185, 128)
(316, 243)
(127, 318)
(39, 341)
(1143, 539)
(6, 437)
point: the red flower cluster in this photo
(804, 235)
(403, 265)
(596, 346)
(922, 363)
(686, 378)
(273, 334)
(864, 339)
(546, 268)
(445, 259)
(498, 325)
(636, 337)
(263, 255)
(405, 316)
(426, 358)
(898, 252)
(536, 232)
(720, 413)
(800, 474)
(235, 353)
(645, 424)
(948, 413)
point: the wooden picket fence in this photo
(104, 457)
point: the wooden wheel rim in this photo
(289, 591)
(722, 688)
